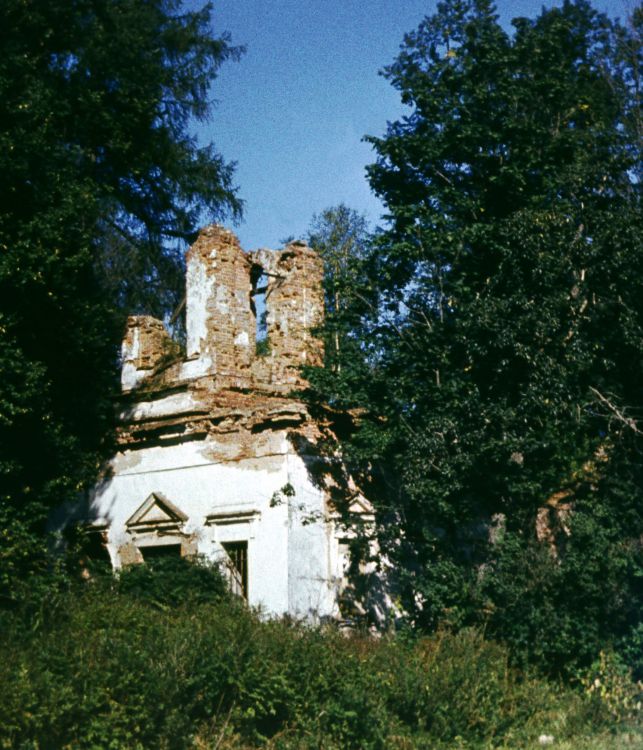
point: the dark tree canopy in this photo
(104, 93)
(505, 356)
(100, 179)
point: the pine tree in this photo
(99, 175)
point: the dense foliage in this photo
(108, 665)
(503, 393)
(486, 348)
(341, 237)
(99, 175)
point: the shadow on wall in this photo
(365, 592)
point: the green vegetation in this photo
(484, 351)
(100, 182)
(340, 235)
(262, 347)
(123, 663)
(499, 328)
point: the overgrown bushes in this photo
(123, 664)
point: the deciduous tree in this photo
(340, 235)
(505, 363)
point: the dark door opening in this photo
(94, 556)
(238, 554)
(161, 551)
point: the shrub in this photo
(128, 663)
(611, 682)
(173, 581)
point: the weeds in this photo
(119, 664)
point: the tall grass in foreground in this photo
(123, 666)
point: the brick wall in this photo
(221, 319)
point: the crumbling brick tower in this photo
(227, 292)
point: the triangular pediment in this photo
(360, 505)
(357, 507)
(156, 511)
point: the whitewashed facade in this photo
(217, 455)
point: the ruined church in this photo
(216, 452)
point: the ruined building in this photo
(215, 453)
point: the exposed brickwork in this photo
(146, 342)
(294, 303)
(220, 323)
(129, 554)
(145, 346)
(189, 546)
(221, 319)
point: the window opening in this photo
(258, 305)
(96, 549)
(93, 555)
(160, 551)
(238, 554)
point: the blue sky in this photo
(293, 111)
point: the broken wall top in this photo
(231, 296)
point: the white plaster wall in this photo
(131, 377)
(177, 403)
(310, 568)
(200, 288)
(197, 367)
(289, 563)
